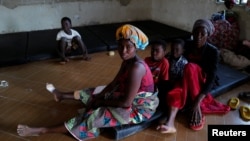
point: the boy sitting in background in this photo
(68, 40)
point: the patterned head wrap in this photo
(206, 24)
(134, 34)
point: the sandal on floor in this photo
(200, 126)
(164, 129)
(233, 103)
(244, 96)
(245, 112)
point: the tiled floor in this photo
(26, 100)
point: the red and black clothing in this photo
(199, 76)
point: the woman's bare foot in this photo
(51, 88)
(24, 131)
(165, 129)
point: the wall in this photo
(183, 13)
(30, 15)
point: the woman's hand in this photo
(196, 115)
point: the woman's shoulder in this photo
(140, 62)
(136, 63)
(212, 47)
(211, 50)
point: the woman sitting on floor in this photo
(128, 99)
(200, 75)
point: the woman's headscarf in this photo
(207, 24)
(134, 34)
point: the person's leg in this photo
(175, 100)
(58, 95)
(80, 43)
(24, 130)
(192, 81)
(62, 45)
(169, 126)
(172, 115)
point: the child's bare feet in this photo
(64, 61)
(24, 131)
(51, 88)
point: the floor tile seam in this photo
(28, 103)
(12, 77)
(32, 104)
(74, 72)
(32, 74)
(153, 134)
(11, 134)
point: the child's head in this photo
(66, 24)
(177, 48)
(229, 4)
(158, 49)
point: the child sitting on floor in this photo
(159, 67)
(177, 60)
(69, 39)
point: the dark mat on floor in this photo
(42, 45)
(160, 30)
(93, 43)
(106, 33)
(229, 78)
(124, 131)
(13, 48)
(150, 32)
(154, 30)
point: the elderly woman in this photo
(199, 76)
(128, 99)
